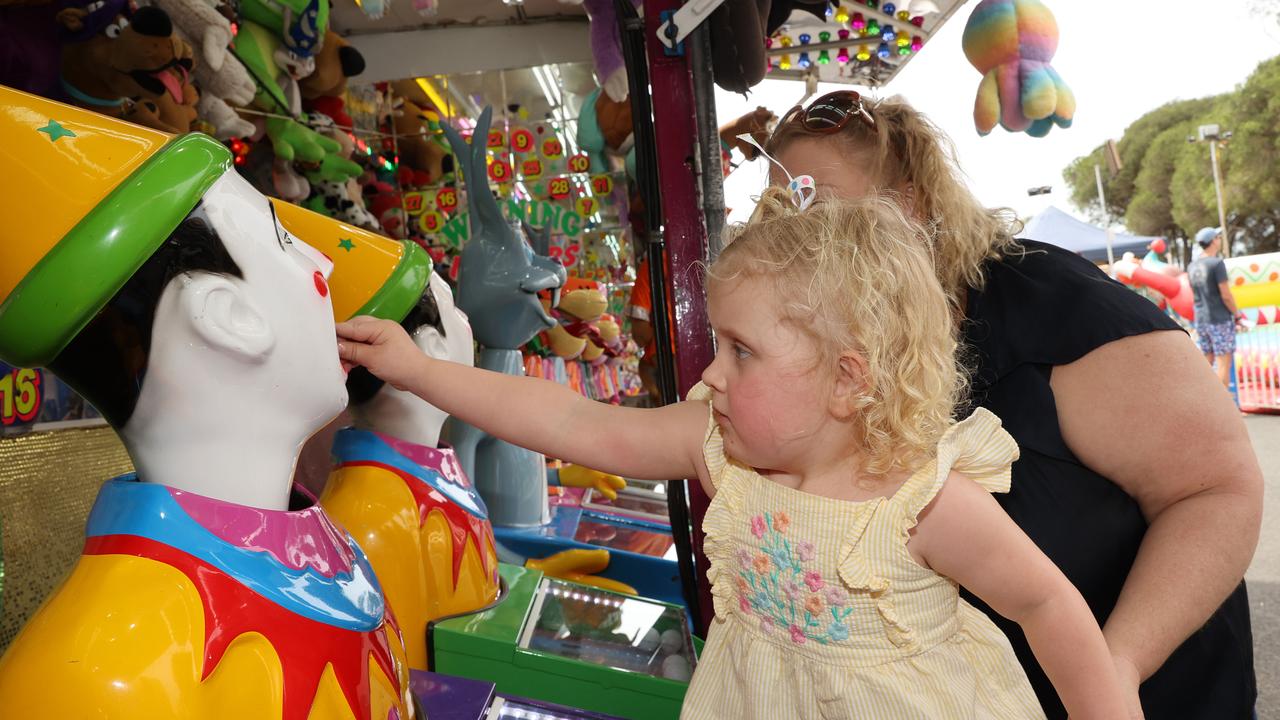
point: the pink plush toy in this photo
(1011, 43)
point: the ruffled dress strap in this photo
(729, 478)
(712, 441)
(977, 447)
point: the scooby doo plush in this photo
(120, 61)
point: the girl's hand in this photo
(382, 347)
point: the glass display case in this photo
(559, 642)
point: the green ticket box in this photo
(572, 644)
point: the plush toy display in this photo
(1011, 43)
(119, 62)
(424, 157)
(277, 43)
(323, 89)
(222, 80)
(604, 129)
(337, 195)
(606, 46)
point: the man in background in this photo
(1215, 307)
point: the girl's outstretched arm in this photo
(654, 444)
(965, 535)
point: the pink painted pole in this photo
(684, 235)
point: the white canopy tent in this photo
(1055, 227)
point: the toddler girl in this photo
(847, 503)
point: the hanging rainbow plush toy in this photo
(1011, 43)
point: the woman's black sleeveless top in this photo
(1050, 307)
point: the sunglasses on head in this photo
(830, 113)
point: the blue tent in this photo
(1056, 227)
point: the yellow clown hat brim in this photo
(372, 274)
(86, 200)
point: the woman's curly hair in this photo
(908, 157)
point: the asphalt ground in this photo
(1264, 573)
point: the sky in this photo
(1120, 58)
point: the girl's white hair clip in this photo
(803, 188)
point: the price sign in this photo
(552, 149)
(522, 140)
(447, 199)
(500, 171)
(601, 184)
(19, 396)
(497, 139)
(587, 206)
(558, 188)
(531, 169)
(431, 222)
(413, 203)
(579, 163)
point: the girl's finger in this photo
(357, 330)
(349, 353)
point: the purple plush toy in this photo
(606, 46)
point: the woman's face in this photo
(833, 168)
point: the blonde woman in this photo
(1137, 477)
(846, 502)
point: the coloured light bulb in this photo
(883, 51)
(784, 63)
(804, 61)
(786, 41)
(804, 38)
(916, 44)
(843, 34)
(842, 56)
(823, 58)
(903, 15)
(858, 22)
(864, 53)
(889, 8)
(842, 15)
(904, 51)
(887, 33)
(918, 21)
(873, 28)
(904, 40)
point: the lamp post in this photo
(1214, 134)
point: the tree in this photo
(1166, 186)
(1132, 147)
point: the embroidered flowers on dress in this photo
(774, 585)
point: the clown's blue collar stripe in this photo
(354, 445)
(350, 600)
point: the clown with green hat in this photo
(164, 289)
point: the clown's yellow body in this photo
(424, 531)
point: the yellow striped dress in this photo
(822, 613)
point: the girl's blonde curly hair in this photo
(907, 155)
(858, 275)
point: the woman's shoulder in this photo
(1045, 305)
